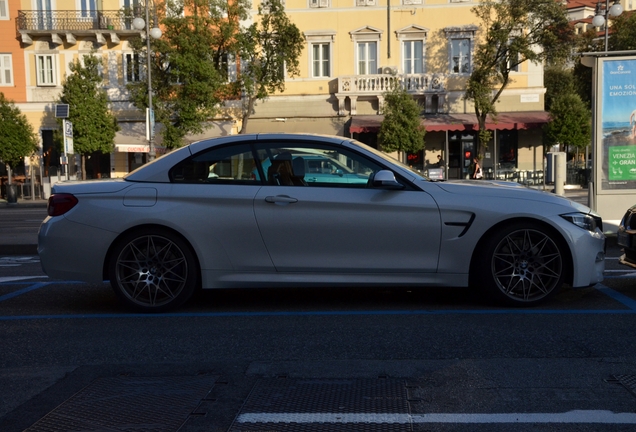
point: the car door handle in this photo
(282, 199)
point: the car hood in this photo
(505, 189)
(91, 186)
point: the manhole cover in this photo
(310, 405)
(128, 404)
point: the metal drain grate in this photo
(302, 405)
(627, 381)
(128, 404)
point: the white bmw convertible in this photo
(246, 211)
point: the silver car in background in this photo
(238, 211)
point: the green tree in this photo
(186, 65)
(17, 138)
(558, 81)
(623, 33)
(570, 122)
(401, 129)
(94, 125)
(269, 49)
(512, 32)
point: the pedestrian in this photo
(477, 172)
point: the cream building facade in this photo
(354, 49)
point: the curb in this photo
(18, 249)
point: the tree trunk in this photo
(9, 174)
(251, 100)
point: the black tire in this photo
(152, 270)
(521, 265)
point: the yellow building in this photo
(354, 48)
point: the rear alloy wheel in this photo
(153, 271)
(522, 266)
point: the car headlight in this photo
(585, 221)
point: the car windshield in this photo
(391, 159)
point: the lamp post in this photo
(603, 13)
(141, 24)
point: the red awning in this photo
(459, 122)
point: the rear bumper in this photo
(72, 251)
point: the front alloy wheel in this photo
(523, 267)
(153, 271)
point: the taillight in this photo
(60, 204)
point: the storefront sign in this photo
(134, 148)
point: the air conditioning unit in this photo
(389, 70)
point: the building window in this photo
(512, 58)
(45, 69)
(367, 58)
(460, 49)
(318, 3)
(460, 56)
(6, 70)
(411, 2)
(413, 57)
(133, 68)
(4, 10)
(320, 59)
(365, 2)
(89, 8)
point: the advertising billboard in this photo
(617, 91)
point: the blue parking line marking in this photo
(24, 290)
(326, 313)
(622, 298)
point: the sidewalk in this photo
(24, 242)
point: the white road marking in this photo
(17, 278)
(576, 416)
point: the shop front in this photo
(515, 152)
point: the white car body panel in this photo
(331, 230)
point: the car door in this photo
(345, 227)
(213, 205)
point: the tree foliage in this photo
(623, 33)
(558, 81)
(270, 49)
(185, 67)
(189, 63)
(401, 129)
(512, 32)
(570, 122)
(17, 138)
(94, 125)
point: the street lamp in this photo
(602, 14)
(155, 33)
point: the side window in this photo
(314, 165)
(224, 165)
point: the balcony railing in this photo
(74, 20)
(378, 84)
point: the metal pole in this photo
(151, 146)
(606, 22)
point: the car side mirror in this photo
(338, 172)
(385, 179)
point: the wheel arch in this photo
(555, 235)
(158, 227)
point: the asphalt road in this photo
(315, 359)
